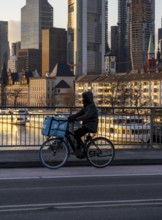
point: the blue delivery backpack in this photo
(54, 126)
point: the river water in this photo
(20, 135)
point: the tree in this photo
(123, 94)
(136, 96)
(42, 101)
(70, 98)
(14, 95)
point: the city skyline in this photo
(13, 9)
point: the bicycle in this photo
(54, 152)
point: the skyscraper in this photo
(136, 21)
(15, 47)
(4, 44)
(54, 48)
(160, 39)
(114, 40)
(123, 58)
(142, 24)
(87, 27)
(29, 60)
(35, 16)
(160, 32)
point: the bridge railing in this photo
(126, 127)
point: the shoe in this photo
(80, 154)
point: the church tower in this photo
(151, 62)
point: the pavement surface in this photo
(115, 192)
(80, 171)
(30, 158)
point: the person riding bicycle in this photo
(89, 117)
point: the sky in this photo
(10, 10)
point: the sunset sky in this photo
(10, 10)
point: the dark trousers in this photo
(80, 132)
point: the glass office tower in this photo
(86, 35)
(35, 16)
(124, 63)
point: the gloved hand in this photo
(71, 119)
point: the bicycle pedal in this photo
(81, 156)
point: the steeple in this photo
(151, 63)
(151, 48)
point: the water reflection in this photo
(20, 135)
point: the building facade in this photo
(4, 44)
(87, 35)
(135, 90)
(54, 89)
(54, 48)
(110, 63)
(41, 91)
(35, 16)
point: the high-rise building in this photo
(160, 42)
(4, 44)
(160, 32)
(123, 58)
(114, 40)
(35, 16)
(12, 62)
(87, 27)
(54, 48)
(142, 24)
(136, 21)
(15, 47)
(29, 60)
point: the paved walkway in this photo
(30, 158)
(79, 171)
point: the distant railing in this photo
(126, 127)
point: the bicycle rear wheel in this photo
(100, 152)
(54, 153)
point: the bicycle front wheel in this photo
(100, 152)
(54, 153)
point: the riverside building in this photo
(142, 89)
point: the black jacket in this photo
(88, 114)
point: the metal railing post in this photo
(151, 127)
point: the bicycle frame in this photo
(71, 139)
(70, 136)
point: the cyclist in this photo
(89, 117)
